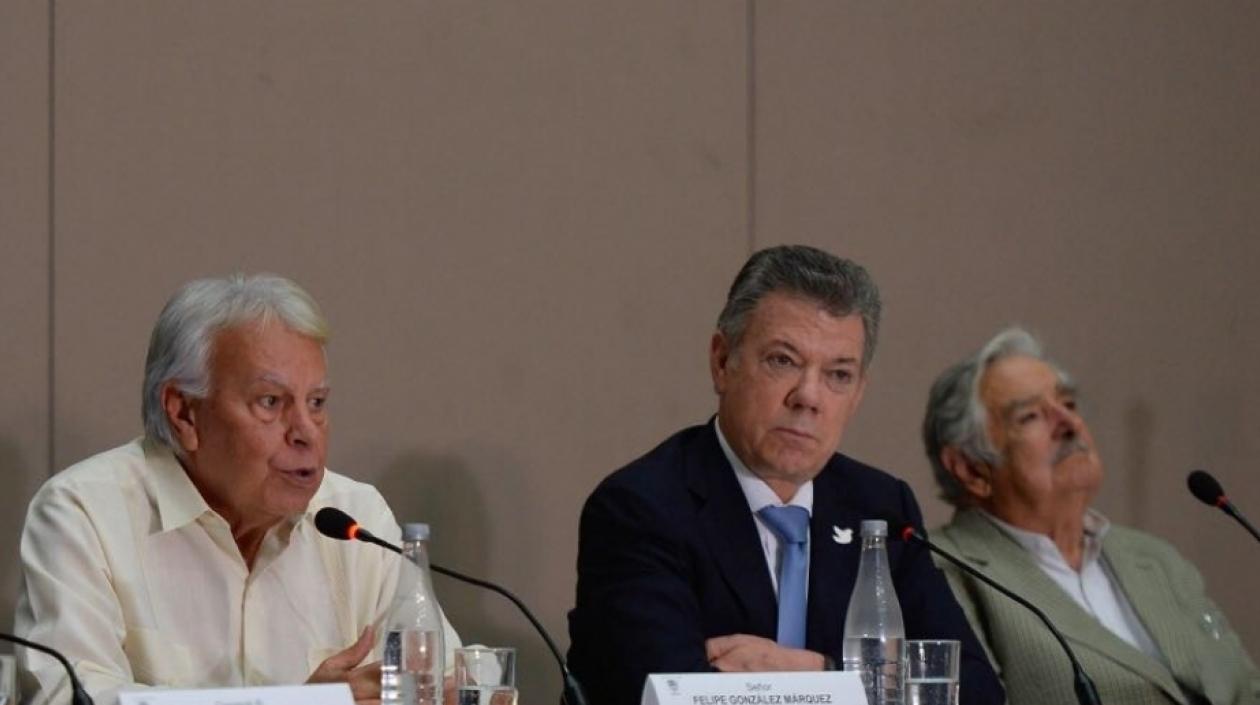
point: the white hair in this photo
(179, 348)
(955, 414)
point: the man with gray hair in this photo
(189, 558)
(1010, 450)
(732, 545)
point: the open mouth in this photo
(302, 476)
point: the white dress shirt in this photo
(138, 582)
(1094, 588)
(759, 496)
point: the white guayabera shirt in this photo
(138, 582)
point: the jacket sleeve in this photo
(636, 611)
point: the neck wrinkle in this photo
(1063, 523)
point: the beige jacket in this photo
(1204, 655)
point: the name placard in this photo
(793, 688)
(323, 694)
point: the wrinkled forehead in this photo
(267, 351)
(1020, 379)
(786, 317)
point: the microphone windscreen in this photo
(1205, 487)
(334, 523)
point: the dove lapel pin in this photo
(842, 536)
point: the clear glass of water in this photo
(485, 675)
(932, 671)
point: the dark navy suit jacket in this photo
(669, 556)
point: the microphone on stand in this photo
(336, 524)
(78, 696)
(1207, 490)
(1086, 691)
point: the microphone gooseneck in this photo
(1086, 691)
(78, 696)
(336, 524)
(573, 693)
(1206, 489)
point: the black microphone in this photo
(1086, 691)
(78, 696)
(336, 524)
(1207, 490)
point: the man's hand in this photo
(746, 653)
(448, 690)
(343, 667)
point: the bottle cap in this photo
(874, 527)
(415, 532)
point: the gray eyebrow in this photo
(279, 382)
(1012, 406)
(791, 347)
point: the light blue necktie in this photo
(791, 525)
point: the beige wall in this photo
(25, 275)
(521, 219)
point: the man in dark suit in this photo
(695, 556)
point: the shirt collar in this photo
(178, 501)
(756, 491)
(1096, 527)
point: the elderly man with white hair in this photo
(1012, 452)
(189, 557)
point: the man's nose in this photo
(806, 393)
(302, 428)
(1067, 423)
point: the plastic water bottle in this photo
(412, 665)
(874, 635)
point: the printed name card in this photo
(797, 688)
(324, 694)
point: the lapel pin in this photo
(842, 536)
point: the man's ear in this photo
(181, 415)
(719, 361)
(975, 478)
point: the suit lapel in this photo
(999, 556)
(1151, 597)
(832, 565)
(730, 532)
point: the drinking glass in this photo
(485, 675)
(932, 672)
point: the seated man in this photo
(679, 562)
(189, 558)
(1012, 453)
